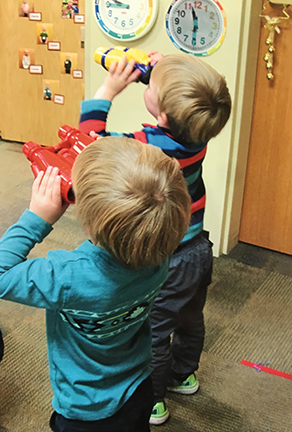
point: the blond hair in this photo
(193, 95)
(133, 200)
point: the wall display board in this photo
(196, 27)
(127, 19)
(42, 48)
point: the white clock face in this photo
(196, 27)
(126, 19)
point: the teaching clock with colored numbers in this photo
(196, 27)
(126, 19)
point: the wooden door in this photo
(267, 207)
(26, 113)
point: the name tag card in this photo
(77, 74)
(36, 69)
(54, 46)
(79, 19)
(35, 16)
(59, 99)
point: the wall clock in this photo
(196, 27)
(126, 19)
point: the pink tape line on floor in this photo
(266, 369)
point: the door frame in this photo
(242, 122)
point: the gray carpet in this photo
(247, 314)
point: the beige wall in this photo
(225, 164)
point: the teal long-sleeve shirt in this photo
(98, 331)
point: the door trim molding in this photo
(242, 120)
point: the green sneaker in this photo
(189, 386)
(159, 414)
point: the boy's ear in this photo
(162, 120)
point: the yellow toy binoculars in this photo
(106, 56)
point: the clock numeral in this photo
(110, 13)
(131, 22)
(138, 15)
(210, 34)
(181, 13)
(212, 15)
(116, 19)
(203, 41)
(186, 37)
(178, 30)
(196, 5)
(123, 23)
(214, 26)
(176, 21)
(206, 8)
(141, 6)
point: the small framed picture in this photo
(50, 89)
(79, 19)
(26, 57)
(36, 69)
(25, 8)
(68, 62)
(78, 74)
(44, 33)
(59, 99)
(54, 46)
(69, 8)
(35, 16)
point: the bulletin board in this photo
(42, 68)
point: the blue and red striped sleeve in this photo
(93, 117)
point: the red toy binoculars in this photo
(62, 156)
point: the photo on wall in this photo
(50, 88)
(69, 8)
(26, 57)
(25, 8)
(44, 33)
(68, 62)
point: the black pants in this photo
(132, 417)
(178, 310)
(1, 346)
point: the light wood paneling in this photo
(24, 114)
(267, 208)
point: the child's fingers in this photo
(155, 57)
(94, 135)
(51, 181)
(134, 76)
(37, 182)
(130, 73)
(151, 53)
(122, 64)
(45, 179)
(56, 188)
(129, 68)
(113, 67)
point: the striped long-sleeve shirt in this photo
(190, 157)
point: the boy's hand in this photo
(120, 75)
(46, 200)
(154, 56)
(94, 135)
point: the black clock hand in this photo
(195, 27)
(121, 4)
(117, 4)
